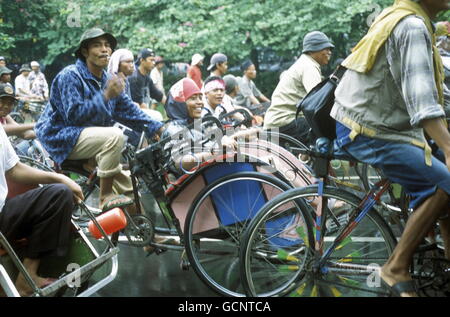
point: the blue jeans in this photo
(402, 163)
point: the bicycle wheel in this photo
(215, 222)
(271, 268)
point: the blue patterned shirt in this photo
(76, 102)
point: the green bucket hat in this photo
(5, 70)
(92, 34)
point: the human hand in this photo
(229, 143)
(115, 86)
(78, 196)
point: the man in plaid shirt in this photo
(383, 113)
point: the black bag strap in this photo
(338, 73)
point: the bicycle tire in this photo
(371, 241)
(212, 252)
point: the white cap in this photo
(196, 58)
(34, 63)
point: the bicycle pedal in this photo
(159, 251)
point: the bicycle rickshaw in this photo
(206, 207)
(86, 268)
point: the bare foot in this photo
(391, 279)
(25, 289)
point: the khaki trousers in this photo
(102, 146)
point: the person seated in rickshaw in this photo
(43, 215)
(184, 105)
(77, 124)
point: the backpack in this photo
(317, 104)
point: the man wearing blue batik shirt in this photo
(84, 104)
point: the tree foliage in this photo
(48, 29)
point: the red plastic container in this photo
(111, 221)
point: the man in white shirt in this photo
(41, 215)
(22, 83)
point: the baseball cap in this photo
(146, 52)
(217, 58)
(2, 58)
(6, 90)
(196, 58)
(93, 33)
(34, 63)
(5, 70)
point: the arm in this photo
(155, 93)
(410, 51)
(24, 131)
(437, 130)
(311, 78)
(24, 174)
(263, 98)
(133, 117)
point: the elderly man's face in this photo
(98, 52)
(2, 63)
(127, 67)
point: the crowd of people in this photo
(390, 97)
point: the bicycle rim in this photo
(216, 221)
(349, 270)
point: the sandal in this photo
(112, 203)
(401, 287)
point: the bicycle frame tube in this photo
(355, 218)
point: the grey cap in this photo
(5, 70)
(316, 41)
(217, 58)
(230, 83)
(92, 34)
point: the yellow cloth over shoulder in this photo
(364, 55)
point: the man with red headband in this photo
(214, 90)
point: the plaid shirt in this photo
(399, 92)
(38, 84)
(410, 56)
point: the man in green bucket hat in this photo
(85, 102)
